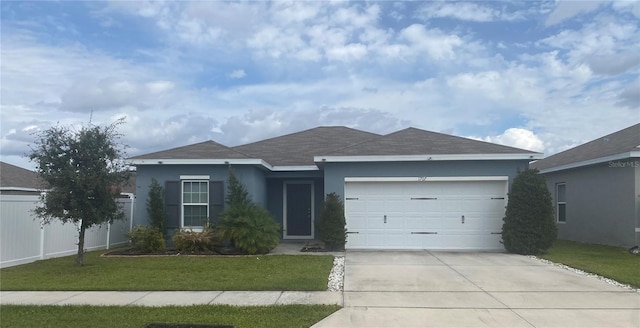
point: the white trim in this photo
(243, 161)
(425, 179)
(637, 229)
(173, 161)
(182, 203)
(295, 168)
(428, 157)
(194, 177)
(598, 160)
(284, 209)
(20, 189)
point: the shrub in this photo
(189, 241)
(251, 229)
(155, 207)
(529, 226)
(146, 239)
(331, 226)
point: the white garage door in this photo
(425, 213)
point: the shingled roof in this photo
(302, 148)
(412, 141)
(202, 150)
(299, 148)
(12, 176)
(620, 143)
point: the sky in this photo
(544, 76)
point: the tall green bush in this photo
(331, 226)
(248, 226)
(157, 214)
(529, 226)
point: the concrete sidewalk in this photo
(162, 298)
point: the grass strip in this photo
(137, 316)
(607, 261)
(274, 272)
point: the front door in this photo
(298, 210)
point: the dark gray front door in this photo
(299, 210)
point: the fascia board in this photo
(438, 157)
(199, 161)
(425, 179)
(593, 161)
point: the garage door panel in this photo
(426, 214)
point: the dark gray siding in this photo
(602, 204)
(252, 177)
(336, 172)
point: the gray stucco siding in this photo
(601, 204)
(335, 173)
(251, 176)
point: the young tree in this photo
(84, 171)
(237, 195)
(155, 207)
(529, 226)
(331, 226)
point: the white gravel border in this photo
(583, 273)
(336, 276)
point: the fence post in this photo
(108, 234)
(41, 239)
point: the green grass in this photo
(607, 261)
(136, 316)
(274, 272)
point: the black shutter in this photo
(172, 203)
(216, 199)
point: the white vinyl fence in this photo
(24, 239)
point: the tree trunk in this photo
(80, 256)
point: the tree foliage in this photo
(331, 226)
(84, 171)
(529, 226)
(248, 226)
(237, 195)
(157, 214)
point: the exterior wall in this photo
(336, 172)
(601, 204)
(251, 176)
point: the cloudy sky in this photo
(544, 76)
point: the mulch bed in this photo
(174, 252)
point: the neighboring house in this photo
(411, 189)
(596, 189)
(15, 180)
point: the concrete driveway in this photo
(455, 289)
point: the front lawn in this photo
(139, 316)
(607, 261)
(274, 272)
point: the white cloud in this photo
(517, 137)
(237, 74)
(568, 9)
(435, 43)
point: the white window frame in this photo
(198, 179)
(558, 202)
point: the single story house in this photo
(411, 189)
(15, 180)
(596, 189)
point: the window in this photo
(561, 202)
(195, 203)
